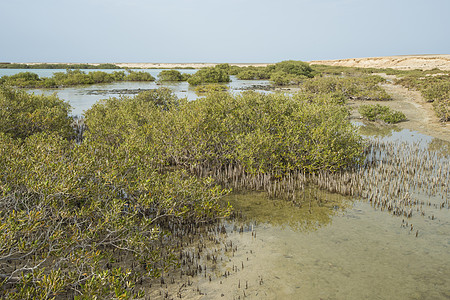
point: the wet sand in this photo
(419, 113)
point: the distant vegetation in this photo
(435, 89)
(282, 73)
(364, 87)
(57, 66)
(217, 74)
(72, 78)
(173, 75)
(208, 88)
(373, 112)
(434, 84)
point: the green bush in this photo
(215, 74)
(297, 68)
(23, 114)
(379, 112)
(139, 76)
(260, 133)
(170, 75)
(57, 66)
(253, 73)
(438, 90)
(283, 73)
(69, 213)
(359, 88)
(71, 78)
(101, 77)
(162, 98)
(442, 108)
(434, 89)
(210, 88)
(282, 78)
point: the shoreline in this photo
(399, 62)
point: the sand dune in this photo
(401, 62)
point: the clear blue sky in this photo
(219, 31)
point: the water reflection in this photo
(375, 130)
(441, 147)
(317, 210)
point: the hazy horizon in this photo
(208, 31)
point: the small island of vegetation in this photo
(72, 78)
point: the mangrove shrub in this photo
(72, 78)
(23, 114)
(215, 74)
(380, 112)
(260, 133)
(70, 213)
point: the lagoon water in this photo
(83, 97)
(345, 248)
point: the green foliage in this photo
(78, 209)
(380, 112)
(234, 70)
(355, 71)
(71, 78)
(172, 75)
(283, 73)
(433, 84)
(139, 76)
(57, 66)
(442, 109)
(282, 78)
(215, 74)
(261, 133)
(70, 213)
(210, 88)
(22, 114)
(434, 89)
(253, 73)
(297, 68)
(359, 88)
(162, 98)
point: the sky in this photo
(231, 31)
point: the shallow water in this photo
(361, 253)
(83, 97)
(338, 247)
